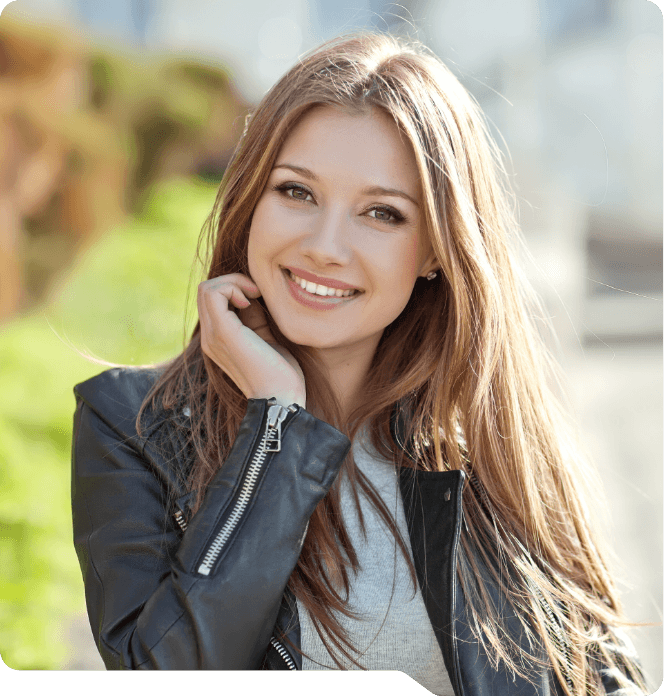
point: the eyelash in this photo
(398, 217)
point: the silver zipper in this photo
(283, 652)
(179, 518)
(270, 442)
(557, 635)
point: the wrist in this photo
(289, 399)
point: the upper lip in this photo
(312, 277)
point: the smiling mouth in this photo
(318, 291)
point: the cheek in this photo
(397, 265)
(271, 228)
(260, 239)
(253, 246)
(413, 258)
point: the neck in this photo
(347, 371)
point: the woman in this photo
(238, 508)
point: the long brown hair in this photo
(475, 366)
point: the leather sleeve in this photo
(149, 607)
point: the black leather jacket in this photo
(168, 590)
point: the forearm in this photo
(215, 604)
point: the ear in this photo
(430, 264)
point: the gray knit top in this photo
(394, 631)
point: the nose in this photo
(328, 240)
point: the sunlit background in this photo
(116, 122)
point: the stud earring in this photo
(431, 275)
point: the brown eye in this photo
(299, 193)
(388, 215)
(382, 214)
(293, 191)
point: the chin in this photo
(302, 336)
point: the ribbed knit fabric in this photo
(394, 631)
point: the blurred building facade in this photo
(576, 90)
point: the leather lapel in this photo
(432, 503)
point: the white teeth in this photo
(322, 290)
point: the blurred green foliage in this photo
(123, 302)
(163, 107)
(86, 129)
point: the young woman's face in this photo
(341, 207)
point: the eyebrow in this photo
(369, 191)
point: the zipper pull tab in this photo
(275, 417)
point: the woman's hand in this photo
(242, 345)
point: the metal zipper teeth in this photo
(283, 653)
(179, 518)
(276, 414)
(558, 636)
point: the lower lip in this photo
(313, 301)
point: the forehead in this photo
(366, 148)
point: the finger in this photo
(252, 290)
(239, 279)
(222, 300)
(237, 297)
(227, 288)
(219, 297)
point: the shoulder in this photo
(116, 395)
(106, 409)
